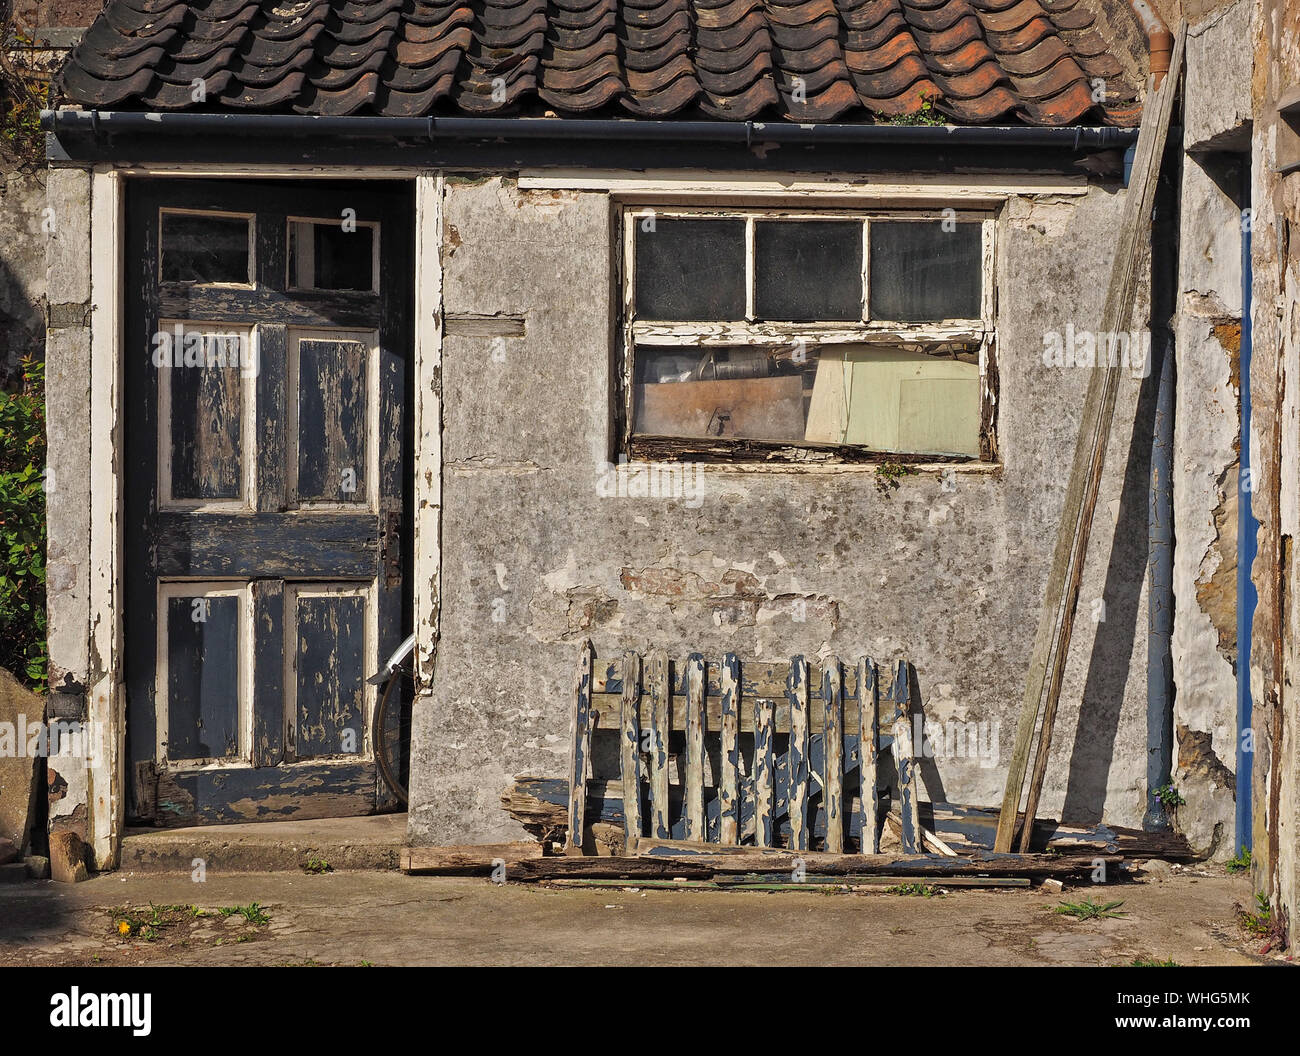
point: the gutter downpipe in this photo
(1160, 41)
(100, 123)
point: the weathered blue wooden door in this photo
(265, 466)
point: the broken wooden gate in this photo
(792, 751)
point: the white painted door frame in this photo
(106, 698)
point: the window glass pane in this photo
(896, 399)
(881, 398)
(689, 270)
(327, 256)
(922, 273)
(749, 393)
(808, 271)
(197, 248)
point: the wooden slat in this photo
(728, 786)
(869, 756)
(630, 744)
(759, 678)
(764, 767)
(1055, 626)
(608, 714)
(694, 774)
(909, 795)
(928, 839)
(473, 860)
(659, 699)
(743, 882)
(797, 695)
(833, 756)
(541, 805)
(579, 748)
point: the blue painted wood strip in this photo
(833, 771)
(728, 786)
(579, 748)
(869, 756)
(630, 746)
(694, 772)
(908, 793)
(797, 798)
(660, 826)
(764, 774)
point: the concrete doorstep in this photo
(324, 845)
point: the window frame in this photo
(218, 214)
(978, 333)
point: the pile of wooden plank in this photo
(675, 860)
(961, 855)
(540, 805)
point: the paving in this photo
(373, 842)
(389, 918)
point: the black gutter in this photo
(435, 129)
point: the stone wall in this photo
(947, 572)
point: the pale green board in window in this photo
(888, 399)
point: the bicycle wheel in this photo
(390, 730)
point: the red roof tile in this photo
(972, 61)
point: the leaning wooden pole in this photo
(1056, 623)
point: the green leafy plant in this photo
(146, 924)
(1261, 921)
(21, 90)
(253, 913)
(1169, 796)
(888, 474)
(1143, 962)
(316, 864)
(1089, 910)
(1241, 863)
(914, 890)
(22, 528)
(926, 115)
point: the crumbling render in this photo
(1216, 582)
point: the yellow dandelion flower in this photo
(123, 928)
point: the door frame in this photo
(106, 785)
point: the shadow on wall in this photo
(1112, 653)
(22, 316)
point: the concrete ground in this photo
(388, 918)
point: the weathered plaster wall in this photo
(1275, 451)
(68, 395)
(22, 270)
(949, 573)
(1207, 430)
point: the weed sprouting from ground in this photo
(1090, 910)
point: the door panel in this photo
(330, 660)
(206, 415)
(200, 673)
(267, 446)
(333, 425)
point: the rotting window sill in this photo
(750, 456)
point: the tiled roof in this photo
(975, 61)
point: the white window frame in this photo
(979, 333)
